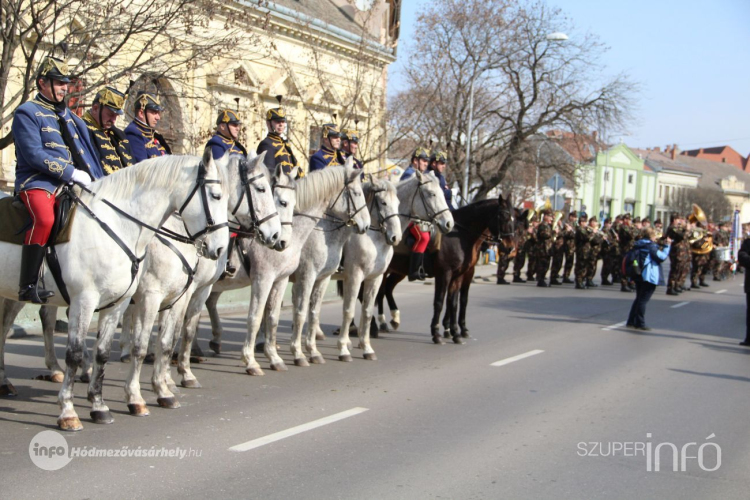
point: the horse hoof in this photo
(346, 358)
(394, 325)
(279, 367)
(57, 377)
(49, 377)
(196, 360)
(69, 424)
(215, 346)
(447, 334)
(317, 360)
(125, 358)
(138, 410)
(8, 390)
(301, 362)
(191, 383)
(101, 417)
(320, 336)
(438, 340)
(465, 335)
(85, 377)
(458, 340)
(384, 328)
(149, 359)
(255, 372)
(170, 402)
(370, 356)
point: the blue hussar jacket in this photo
(43, 160)
(325, 157)
(143, 142)
(220, 145)
(409, 172)
(278, 152)
(446, 190)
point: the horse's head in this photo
(284, 186)
(503, 228)
(204, 212)
(250, 197)
(350, 205)
(384, 206)
(428, 202)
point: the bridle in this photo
(376, 204)
(351, 207)
(201, 186)
(430, 217)
(247, 193)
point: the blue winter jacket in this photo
(652, 272)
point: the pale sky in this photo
(691, 57)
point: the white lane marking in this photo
(679, 305)
(256, 443)
(616, 325)
(516, 358)
(720, 291)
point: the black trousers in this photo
(747, 316)
(643, 292)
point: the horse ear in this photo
(258, 159)
(418, 175)
(207, 156)
(294, 172)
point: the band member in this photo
(226, 138)
(329, 154)
(277, 148)
(350, 146)
(53, 148)
(111, 143)
(679, 255)
(438, 160)
(569, 237)
(543, 249)
(583, 251)
(145, 141)
(596, 241)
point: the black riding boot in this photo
(416, 269)
(32, 257)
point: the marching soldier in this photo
(721, 239)
(523, 233)
(610, 252)
(626, 236)
(53, 148)
(531, 252)
(438, 161)
(569, 236)
(277, 148)
(596, 248)
(678, 233)
(558, 254)
(543, 249)
(583, 251)
(701, 263)
(145, 141)
(111, 143)
(226, 138)
(350, 146)
(328, 155)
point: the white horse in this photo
(333, 193)
(97, 271)
(172, 273)
(366, 258)
(321, 257)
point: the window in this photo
(666, 195)
(630, 178)
(629, 207)
(661, 193)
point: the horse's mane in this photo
(160, 172)
(470, 213)
(368, 187)
(319, 184)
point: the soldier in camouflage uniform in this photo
(610, 251)
(531, 252)
(523, 233)
(583, 251)
(558, 254)
(597, 242)
(677, 259)
(721, 239)
(626, 235)
(701, 265)
(503, 260)
(545, 234)
(569, 236)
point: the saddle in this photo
(15, 219)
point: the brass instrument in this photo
(530, 215)
(555, 221)
(701, 241)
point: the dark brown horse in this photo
(453, 264)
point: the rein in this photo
(330, 217)
(382, 220)
(431, 218)
(247, 193)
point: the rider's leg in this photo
(41, 206)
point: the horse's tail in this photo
(340, 288)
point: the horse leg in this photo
(6, 388)
(368, 298)
(189, 330)
(452, 305)
(437, 305)
(313, 319)
(273, 311)
(258, 298)
(383, 325)
(81, 312)
(351, 287)
(301, 290)
(100, 413)
(464, 302)
(213, 314)
(139, 319)
(164, 344)
(48, 315)
(447, 319)
(390, 285)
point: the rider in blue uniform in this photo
(145, 141)
(328, 155)
(111, 142)
(438, 161)
(419, 161)
(53, 148)
(350, 146)
(227, 134)
(277, 148)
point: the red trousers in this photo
(41, 206)
(423, 238)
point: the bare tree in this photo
(115, 40)
(523, 84)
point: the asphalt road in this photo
(427, 421)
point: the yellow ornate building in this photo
(326, 57)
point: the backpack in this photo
(634, 262)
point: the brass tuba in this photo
(701, 241)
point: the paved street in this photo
(440, 421)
